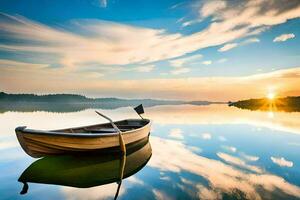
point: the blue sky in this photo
(145, 40)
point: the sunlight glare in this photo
(271, 95)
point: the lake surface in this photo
(197, 152)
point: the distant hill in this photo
(73, 102)
(287, 104)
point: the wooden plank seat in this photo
(112, 130)
(104, 130)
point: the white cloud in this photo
(249, 157)
(227, 47)
(195, 149)
(236, 161)
(207, 62)
(180, 70)
(109, 43)
(211, 7)
(184, 61)
(230, 148)
(284, 37)
(146, 68)
(250, 40)
(187, 23)
(176, 133)
(107, 191)
(160, 195)
(282, 162)
(134, 180)
(206, 136)
(206, 193)
(191, 22)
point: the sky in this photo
(168, 49)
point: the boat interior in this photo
(124, 125)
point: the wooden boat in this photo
(38, 143)
(87, 170)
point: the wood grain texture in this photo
(40, 143)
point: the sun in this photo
(271, 95)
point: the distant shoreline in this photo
(286, 104)
(73, 103)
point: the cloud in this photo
(249, 157)
(211, 7)
(180, 70)
(15, 65)
(134, 180)
(282, 162)
(227, 47)
(207, 62)
(284, 37)
(176, 133)
(236, 161)
(146, 68)
(184, 61)
(191, 22)
(229, 148)
(206, 136)
(160, 195)
(179, 64)
(110, 43)
(212, 88)
(195, 149)
(107, 191)
(250, 40)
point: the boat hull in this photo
(42, 143)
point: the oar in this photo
(121, 141)
(121, 174)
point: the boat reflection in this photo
(83, 171)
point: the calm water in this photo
(198, 152)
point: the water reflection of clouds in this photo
(282, 162)
(100, 192)
(195, 149)
(206, 136)
(228, 175)
(223, 114)
(238, 162)
(107, 191)
(176, 133)
(221, 177)
(249, 157)
(229, 148)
